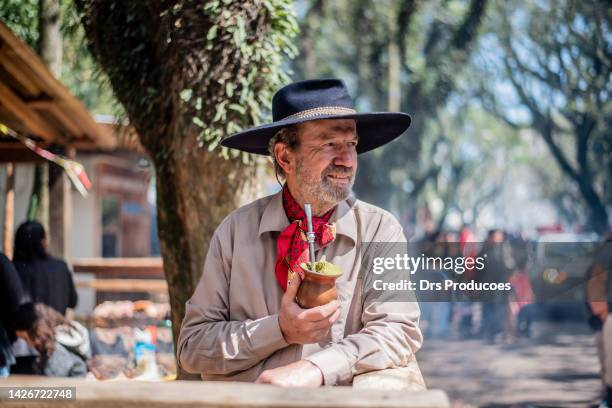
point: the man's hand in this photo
(303, 326)
(299, 374)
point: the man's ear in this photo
(284, 157)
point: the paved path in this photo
(558, 367)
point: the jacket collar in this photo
(275, 219)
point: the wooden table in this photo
(182, 394)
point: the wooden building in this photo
(114, 220)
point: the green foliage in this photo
(357, 40)
(562, 62)
(266, 55)
(79, 73)
(208, 69)
(555, 59)
(21, 16)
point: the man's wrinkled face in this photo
(326, 160)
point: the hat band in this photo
(320, 111)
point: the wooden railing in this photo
(109, 268)
(125, 285)
(182, 394)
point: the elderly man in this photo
(243, 323)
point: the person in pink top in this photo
(521, 306)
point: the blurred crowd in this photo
(492, 315)
(120, 339)
(507, 317)
(36, 290)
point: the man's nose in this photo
(346, 156)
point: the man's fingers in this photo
(265, 377)
(320, 312)
(292, 288)
(324, 323)
(334, 317)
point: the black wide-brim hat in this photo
(320, 99)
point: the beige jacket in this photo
(231, 330)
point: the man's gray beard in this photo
(321, 189)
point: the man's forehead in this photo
(326, 128)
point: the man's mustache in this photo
(341, 170)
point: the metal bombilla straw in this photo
(310, 235)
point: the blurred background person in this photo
(436, 306)
(494, 303)
(599, 294)
(45, 278)
(521, 306)
(16, 312)
(62, 345)
(464, 310)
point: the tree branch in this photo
(407, 10)
(468, 29)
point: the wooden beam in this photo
(58, 113)
(17, 107)
(120, 267)
(125, 285)
(52, 106)
(20, 74)
(56, 89)
(20, 155)
(9, 210)
(17, 152)
(40, 103)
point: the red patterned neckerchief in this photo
(292, 244)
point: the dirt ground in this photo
(557, 367)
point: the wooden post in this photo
(60, 208)
(9, 210)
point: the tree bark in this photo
(309, 30)
(50, 38)
(196, 190)
(50, 51)
(38, 207)
(182, 75)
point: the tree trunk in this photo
(582, 177)
(196, 190)
(38, 207)
(50, 38)
(50, 51)
(181, 73)
(598, 215)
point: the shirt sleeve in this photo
(73, 296)
(19, 305)
(209, 342)
(389, 338)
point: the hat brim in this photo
(374, 130)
